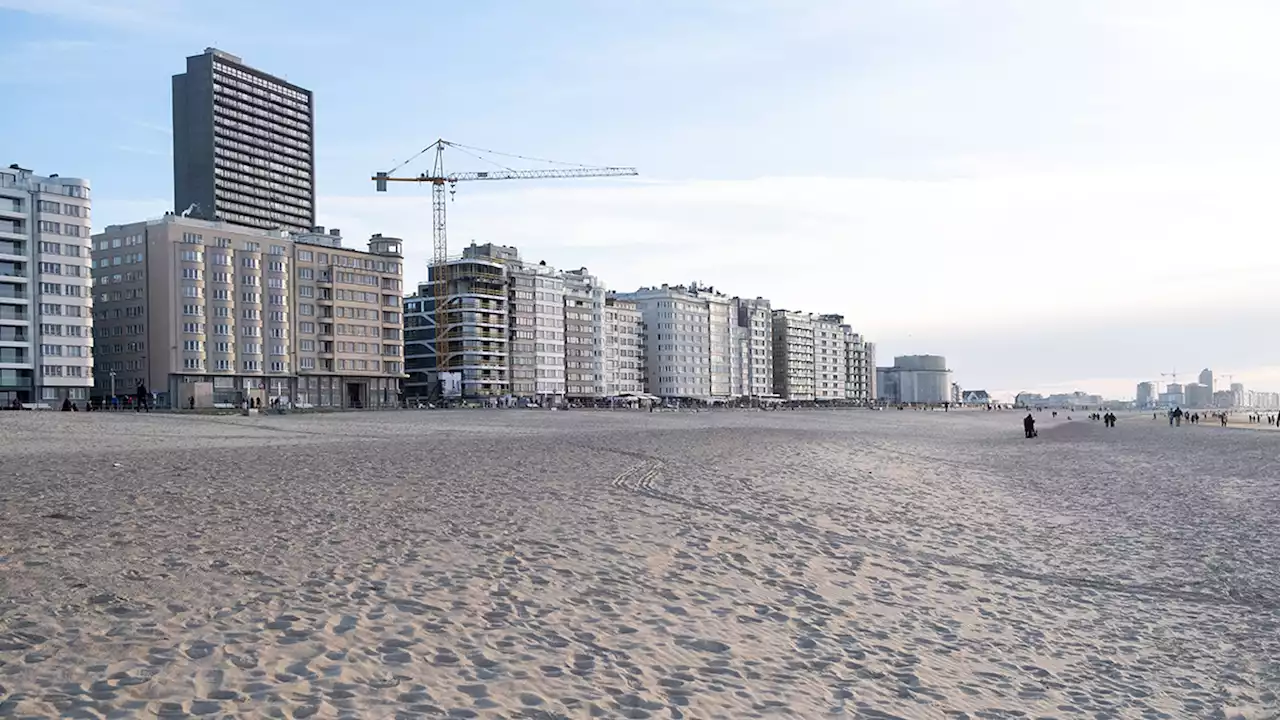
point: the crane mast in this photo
(443, 183)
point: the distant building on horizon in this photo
(1148, 395)
(1206, 379)
(915, 379)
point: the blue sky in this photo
(1054, 194)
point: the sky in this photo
(1055, 195)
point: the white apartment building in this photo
(752, 348)
(721, 320)
(830, 359)
(584, 335)
(677, 345)
(623, 347)
(793, 355)
(536, 321)
(46, 294)
(861, 359)
(208, 314)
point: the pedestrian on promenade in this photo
(142, 396)
(1029, 425)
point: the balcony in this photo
(13, 251)
(13, 292)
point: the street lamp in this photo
(113, 384)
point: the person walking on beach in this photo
(141, 398)
(1029, 425)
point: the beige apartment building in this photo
(209, 314)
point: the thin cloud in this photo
(131, 15)
(134, 149)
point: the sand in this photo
(533, 564)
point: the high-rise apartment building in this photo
(830, 359)
(243, 145)
(793, 355)
(677, 323)
(753, 348)
(584, 336)
(721, 321)
(208, 314)
(46, 329)
(861, 367)
(624, 336)
(1206, 379)
(477, 343)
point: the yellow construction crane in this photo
(442, 181)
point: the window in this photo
(192, 291)
(51, 248)
(251, 297)
(192, 256)
(306, 291)
(222, 330)
(279, 350)
(307, 346)
(221, 364)
(277, 367)
(307, 363)
(73, 230)
(47, 226)
(192, 364)
(307, 327)
(51, 370)
(192, 273)
(249, 314)
(193, 310)
(305, 256)
(251, 365)
(51, 350)
(50, 268)
(306, 309)
(251, 331)
(224, 347)
(192, 238)
(51, 288)
(250, 262)
(48, 206)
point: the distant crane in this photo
(442, 181)
(1173, 375)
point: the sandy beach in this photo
(533, 564)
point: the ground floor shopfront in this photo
(302, 391)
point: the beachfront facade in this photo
(476, 344)
(46, 318)
(677, 345)
(793, 355)
(830, 359)
(624, 336)
(584, 336)
(753, 348)
(208, 314)
(860, 361)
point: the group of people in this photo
(1108, 419)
